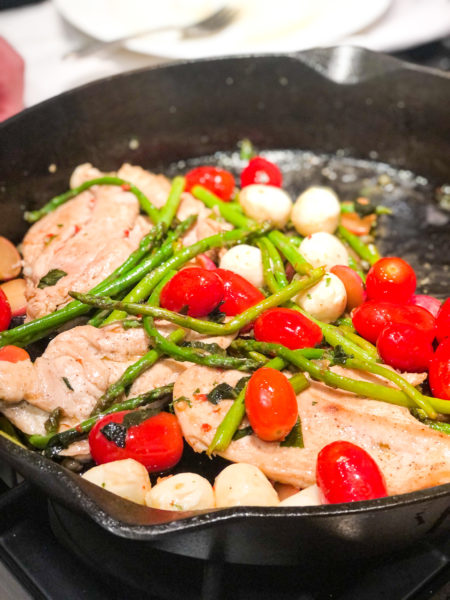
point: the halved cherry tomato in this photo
(429, 303)
(198, 290)
(5, 311)
(261, 170)
(443, 321)
(214, 179)
(347, 473)
(13, 354)
(157, 442)
(439, 373)
(372, 317)
(353, 284)
(239, 294)
(356, 224)
(391, 279)
(288, 327)
(271, 404)
(405, 347)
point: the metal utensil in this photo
(209, 25)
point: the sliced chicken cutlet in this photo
(410, 455)
(86, 238)
(75, 370)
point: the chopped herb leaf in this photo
(340, 356)
(327, 281)
(182, 399)
(115, 432)
(52, 423)
(131, 323)
(294, 438)
(67, 382)
(223, 391)
(139, 416)
(51, 278)
(241, 384)
(210, 348)
(216, 315)
(197, 391)
(240, 433)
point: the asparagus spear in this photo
(170, 208)
(367, 252)
(146, 205)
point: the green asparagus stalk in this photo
(269, 277)
(441, 426)
(367, 252)
(170, 208)
(359, 341)
(227, 211)
(290, 252)
(277, 263)
(54, 203)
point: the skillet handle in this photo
(349, 65)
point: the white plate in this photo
(262, 25)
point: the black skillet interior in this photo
(339, 111)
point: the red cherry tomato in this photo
(353, 284)
(372, 317)
(214, 179)
(288, 327)
(429, 303)
(405, 347)
(271, 404)
(391, 279)
(439, 373)
(239, 294)
(443, 321)
(13, 354)
(5, 311)
(200, 290)
(260, 170)
(157, 442)
(347, 473)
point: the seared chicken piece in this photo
(410, 455)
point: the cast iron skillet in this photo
(343, 100)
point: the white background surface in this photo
(42, 37)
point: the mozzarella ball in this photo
(184, 491)
(266, 203)
(323, 249)
(316, 209)
(326, 300)
(246, 261)
(241, 484)
(126, 478)
(310, 496)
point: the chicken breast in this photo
(86, 238)
(410, 455)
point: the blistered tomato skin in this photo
(287, 327)
(216, 180)
(239, 294)
(199, 290)
(391, 279)
(271, 404)
(347, 473)
(157, 442)
(439, 373)
(370, 318)
(5, 312)
(262, 171)
(405, 348)
(443, 321)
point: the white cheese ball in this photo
(326, 300)
(126, 478)
(266, 203)
(316, 209)
(246, 261)
(323, 249)
(310, 496)
(184, 491)
(241, 484)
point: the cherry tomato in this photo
(157, 442)
(5, 311)
(288, 327)
(439, 373)
(429, 303)
(443, 321)
(197, 289)
(391, 279)
(271, 404)
(260, 170)
(356, 224)
(214, 179)
(405, 347)
(239, 294)
(13, 354)
(372, 317)
(353, 284)
(347, 473)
